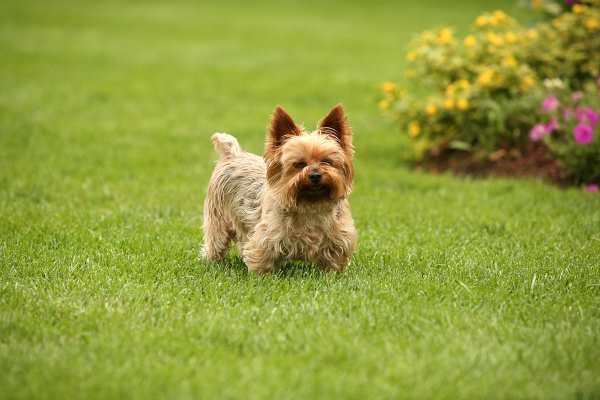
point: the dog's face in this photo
(309, 167)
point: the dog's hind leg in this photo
(218, 232)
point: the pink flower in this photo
(540, 130)
(583, 134)
(587, 115)
(591, 187)
(550, 103)
(551, 125)
(537, 132)
(576, 96)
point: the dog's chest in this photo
(304, 237)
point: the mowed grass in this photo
(459, 288)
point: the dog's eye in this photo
(299, 164)
(326, 161)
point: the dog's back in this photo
(233, 203)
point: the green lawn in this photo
(459, 288)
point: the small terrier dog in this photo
(290, 205)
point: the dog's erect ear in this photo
(282, 125)
(336, 124)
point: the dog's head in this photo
(309, 167)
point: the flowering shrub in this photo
(552, 8)
(568, 47)
(569, 127)
(483, 90)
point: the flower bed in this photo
(505, 92)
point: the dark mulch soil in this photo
(534, 161)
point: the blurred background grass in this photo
(106, 109)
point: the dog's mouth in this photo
(314, 192)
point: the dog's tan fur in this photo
(270, 205)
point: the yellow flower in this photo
(431, 109)
(414, 129)
(462, 104)
(450, 90)
(579, 8)
(527, 82)
(500, 16)
(411, 56)
(470, 41)
(494, 39)
(388, 87)
(463, 84)
(485, 77)
(532, 34)
(592, 24)
(510, 38)
(449, 104)
(509, 61)
(384, 104)
(558, 23)
(445, 36)
(428, 36)
(482, 20)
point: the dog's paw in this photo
(205, 255)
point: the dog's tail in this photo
(226, 145)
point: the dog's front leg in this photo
(336, 255)
(259, 256)
(333, 263)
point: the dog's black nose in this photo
(314, 177)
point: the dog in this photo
(290, 204)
